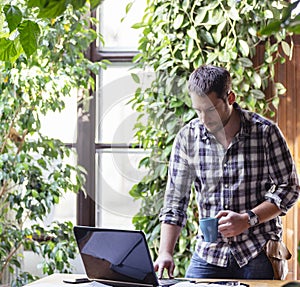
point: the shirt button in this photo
(226, 206)
(226, 185)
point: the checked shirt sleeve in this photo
(179, 183)
(284, 191)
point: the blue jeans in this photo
(258, 268)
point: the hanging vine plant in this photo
(177, 37)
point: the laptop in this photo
(117, 257)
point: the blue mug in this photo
(209, 228)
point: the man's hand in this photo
(164, 261)
(168, 237)
(232, 223)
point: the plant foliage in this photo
(177, 37)
(42, 61)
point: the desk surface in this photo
(56, 280)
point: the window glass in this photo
(117, 172)
(62, 125)
(117, 33)
(115, 117)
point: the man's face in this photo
(212, 111)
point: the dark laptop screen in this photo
(115, 257)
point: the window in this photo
(112, 161)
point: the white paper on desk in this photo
(190, 284)
(89, 284)
(92, 284)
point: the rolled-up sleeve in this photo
(284, 190)
(179, 182)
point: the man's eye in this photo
(211, 109)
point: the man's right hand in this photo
(168, 237)
(164, 261)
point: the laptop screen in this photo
(115, 257)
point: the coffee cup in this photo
(209, 228)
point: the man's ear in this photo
(231, 97)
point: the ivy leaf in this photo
(258, 94)
(29, 34)
(211, 57)
(190, 47)
(200, 16)
(192, 33)
(286, 48)
(281, 89)
(275, 102)
(13, 16)
(234, 14)
(245, 62)
(244, 47)
(257, 80)
(178, 21)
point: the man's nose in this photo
(205, 117)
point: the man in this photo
(243, 174)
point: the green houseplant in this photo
(42, 61)
(177, 37)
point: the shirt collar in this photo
(206, 136)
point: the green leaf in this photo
(190, 47)
(77, 4)
(178, 21)
(234, 14)
(244, 47)
(270, 29)
(95, 3)
(13, 16)
(29, 35)
(258, 94)
(245, 62)
(50, 8)
(200, 16)
(281, 89)
(128, 7)
(7, 49)
(186, 5)
(257, 80)
(189, 115)
(211, 57)
(192, 33)
(286, 48)
(135, 77)
(275, 102)
(59, 256)
(294, 25)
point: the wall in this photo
(288, 118)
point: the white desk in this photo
(56, 280)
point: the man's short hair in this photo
(207, 79)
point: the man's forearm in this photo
(168, 238)
(266, 211)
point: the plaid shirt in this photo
(256, 167)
